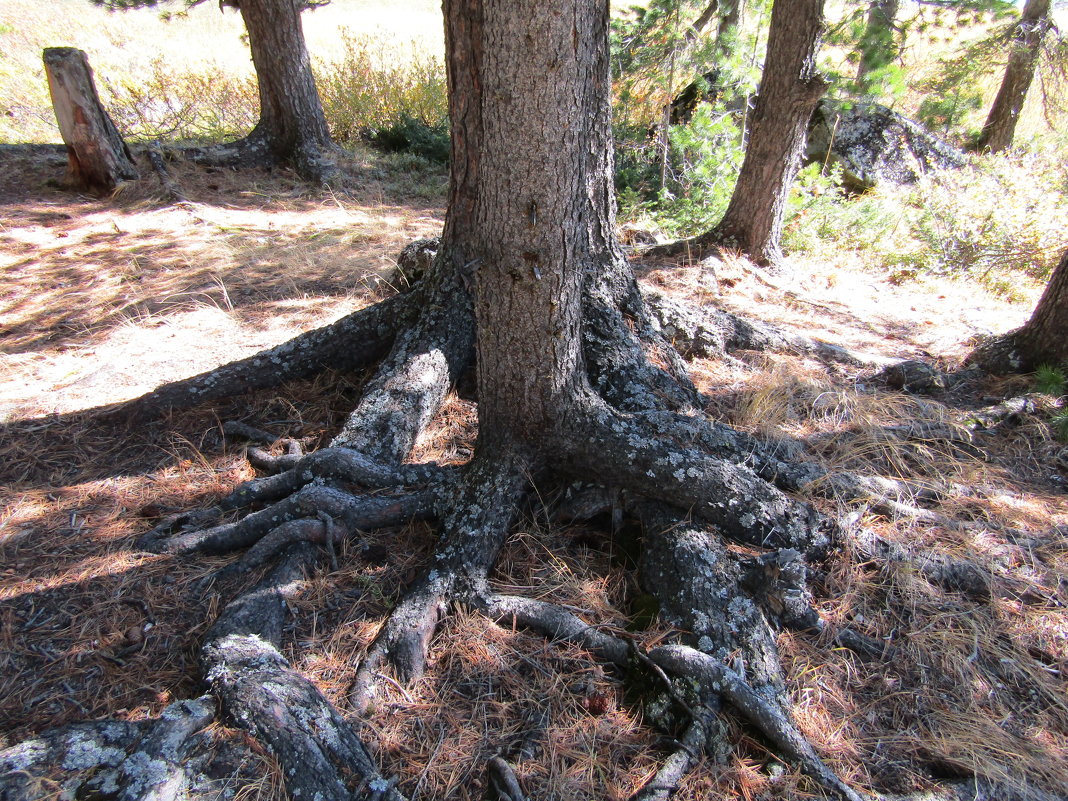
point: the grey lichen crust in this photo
(874, 145)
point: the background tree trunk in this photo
(98, 157)
(1000, 127)
(292, 126)
(1044, 339)
(789, 90)
(878, 45)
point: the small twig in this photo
(396, 685)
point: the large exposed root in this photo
(412, 382)
(353, 342)
(711, 332)
(638, 433)
(350, 512)
(474, 528)
(624, 452)
(319, 753)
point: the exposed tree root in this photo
(411, 383)
(637, 432)
(474, 527)
(312, 162)
(710, 332)
(351, 343)
(319, 753)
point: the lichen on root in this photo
(726, 553)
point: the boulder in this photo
(875, 145)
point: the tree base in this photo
(728, 551)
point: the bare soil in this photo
(103, 299)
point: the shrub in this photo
(370, 91)
(1001, 219)
(703, 162)
(204, 106)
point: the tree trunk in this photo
(878, 47)
(789, 91)
(1000, 127)
(1042, 340)
(99, 159)
(706, 87)
(292, 126)
(787, 96)
(730, 18)
(530, 206)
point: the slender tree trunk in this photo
(877, 45)
(730, 19)
(98, 158)
(292, 126)
(530, 208)
(1000, 127)
(706, 87)
(789, 90)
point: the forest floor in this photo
(102, 300)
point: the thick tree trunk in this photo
(878, 46)
(789, 90)
(1042, 340)
(530, 205)
(292, 126)
(99, 159)
(1000, 126)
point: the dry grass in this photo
(89, 628)
(124, 46)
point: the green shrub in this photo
(205, 106)
(1002, 219)
(703, 162)
(1059, 423)
(430, 142)
(370, 90)
(820, 212)
(1050, 380)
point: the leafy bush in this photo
(1004, 216)
(999, 220)
(371, 91)
(703, 162)
(1050, 380)
(430, 142)
(820, 211)
(203, 106)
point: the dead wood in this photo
(98, 158)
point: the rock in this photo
(875, 145)
(413, 263)
(914, 376)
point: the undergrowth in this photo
(998, 222)
(1050, 380)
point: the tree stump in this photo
(99, 158)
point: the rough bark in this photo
(292, 125)
(98, 158)
(789, 90)
(1024, 48)
(1043, 339)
